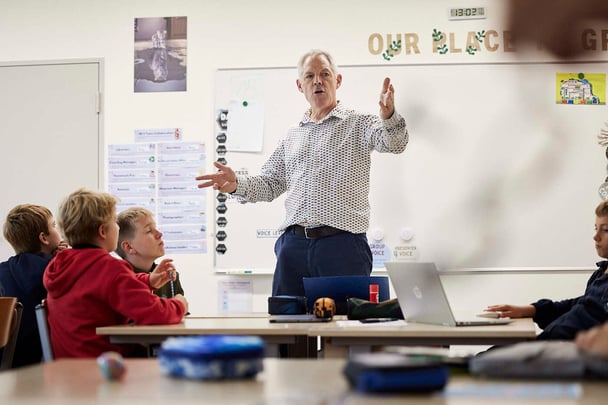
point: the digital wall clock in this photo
(466, 13)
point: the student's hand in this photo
(183, 300)
(62, 245)
(224, 180)
(387, 99)
(513, 311)
(594, 341)
(162, 274)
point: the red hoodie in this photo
(88, 288)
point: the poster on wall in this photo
(580, 88)
(160, 54)
(159, 177)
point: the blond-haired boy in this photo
(88, 288)
(141, 243)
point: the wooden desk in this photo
(272, 333)
(338, 341)
(283, 381)
(341, 341)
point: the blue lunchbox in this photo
(394, 373)
(213, 357)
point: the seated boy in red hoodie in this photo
(88, 288)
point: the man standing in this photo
(323, 164)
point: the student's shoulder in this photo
(27, 261)
(118, 263)
(602, 269)
(103, 259)
(602, 265)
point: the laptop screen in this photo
(420, 292)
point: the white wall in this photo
(470, 292)
(238, 33)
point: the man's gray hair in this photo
(311, 54)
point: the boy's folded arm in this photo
(144, 278)
(548, 311)
(135, 300)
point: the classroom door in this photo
(50, 133)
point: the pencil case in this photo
(213, 357)
(287, 305)
(393, 373)
(357, 308)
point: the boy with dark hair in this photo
(30, 230)
(564, 319)
(88, 288)
(141, 243)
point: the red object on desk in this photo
(374, 292)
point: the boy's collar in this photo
(85, 246)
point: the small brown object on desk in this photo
(324, 308)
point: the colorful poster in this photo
(580, 88)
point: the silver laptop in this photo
(422, 297)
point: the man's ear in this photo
(299, 84)
(338, 81)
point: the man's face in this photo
(319, 84)
(148, 241)
(601, 236)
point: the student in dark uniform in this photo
(564, 319)
(31, 231)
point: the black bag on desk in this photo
(287, 305)
(358, 308)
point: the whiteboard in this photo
(51, 133)
(496, 174)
